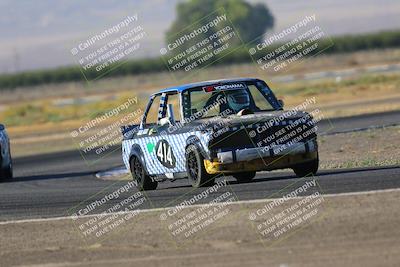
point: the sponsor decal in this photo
(150, 147)
(212, 88)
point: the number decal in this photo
(165, 154)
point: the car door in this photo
(170, 149)
(148, 134)
(158, 147)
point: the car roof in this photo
(181, 88)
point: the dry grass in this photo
(31, 115)
(146, 83)
(373, 93)
(361, 149)
(349, 97)
(366, 94)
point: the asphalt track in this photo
(53, 185)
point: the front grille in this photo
(232, 139)
(254, 137)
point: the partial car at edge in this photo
(6, 170)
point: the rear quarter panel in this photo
(148, 145)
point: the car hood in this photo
(256, 118)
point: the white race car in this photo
(234, 126)
(6, 171)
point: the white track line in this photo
(196, 205)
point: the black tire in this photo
(243, 177)
(8, 172)
(308, 168)
(197, 174)
(144, 182)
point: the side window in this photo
(174, 100)
(152, 114)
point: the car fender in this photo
(194, 140)
(136, 151)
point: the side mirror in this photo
(2, 127)
(164, 121)
(281, 103)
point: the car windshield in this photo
(227, 99)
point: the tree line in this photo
(341, 44)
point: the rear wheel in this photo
(308, 168)
(243, 177)
(196, 171)
(144, 182)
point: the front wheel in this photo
(195, 169)
(307, 168)
(144, 182)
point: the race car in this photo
(6, 171)
(202, 130)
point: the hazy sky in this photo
(41, 33)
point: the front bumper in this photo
(260, 158)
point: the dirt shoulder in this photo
(379, 147)
(356, 230)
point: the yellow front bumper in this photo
(260, 164)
